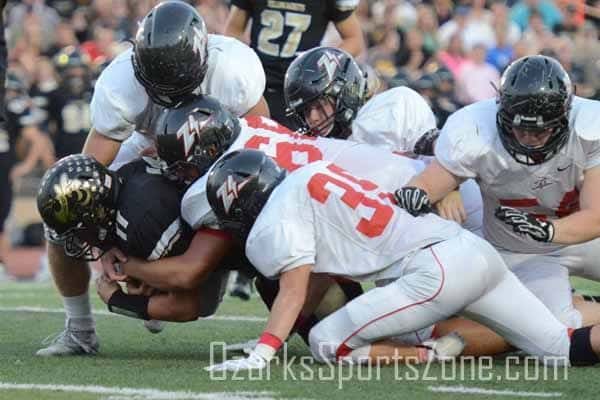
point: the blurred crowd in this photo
(451, 52)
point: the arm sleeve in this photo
(245, 5)
(290, 245)
(460, 146)
(342, 9)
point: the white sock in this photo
(79, 310)
(360, 355)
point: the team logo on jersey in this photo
(230, 190)
(189, 131)
(330, 62)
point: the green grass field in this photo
(136, 365)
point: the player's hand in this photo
(523, 223)
(451, 207)
(137, 287)
(253, 361)
(106, 288)
(414, 200)
(111, 264)
(242, 347)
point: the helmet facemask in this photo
(534, 102)
(556, 128)
(321, 78)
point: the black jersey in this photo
(281, 29)
(149, 223)
(19, 114)
(69, 116)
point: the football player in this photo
(536, 157)
(322, 219)
(323, 93)
(91, 209)
(172, 57)
(277, 46)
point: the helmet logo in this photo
(189, 131)
(230, 190)
(64, 190)
(330, 62)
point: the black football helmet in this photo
(535, 95)
(77, 200)
(170, 52)
(74, 68)
(194, 135)
(325, 72)
(239, 186)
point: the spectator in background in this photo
(20, 127)
(69, 108)
(102, 47)
(586, 51)
(412, 55)
(383, 56)
(443, 10)
(572, 17)
(428, 26)
(549, 12)
(453, 56)
(501, 54)
(500, 17)
(455, 26)
(538, 35)
(476, 77)
(478, 28)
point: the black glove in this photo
(414, 200)
(522, 222)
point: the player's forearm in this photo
(182, 306)
(436, 181)
(171, 273)
(285, 311)
(578, 227)
(353, 45)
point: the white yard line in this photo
(237, 318)
(494, 392)
(139, 394)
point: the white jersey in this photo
(469, 146)
(291, 151)
(235, 77)
(323, 215)
(395, 119)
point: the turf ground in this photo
(136, 365)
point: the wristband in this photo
(267, 346)
(134, 306)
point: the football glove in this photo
(414, 200)
(253, 361)
(524, 223)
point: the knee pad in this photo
(321, 347)
(581, 353)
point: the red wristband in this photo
(270, 340)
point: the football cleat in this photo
(70, 342)
(445, 348)
(155, 326)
